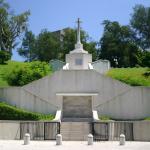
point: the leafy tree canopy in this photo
(11, 26)
(140, 22)
(118, 46)
(49, 45)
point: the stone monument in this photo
(78, 58)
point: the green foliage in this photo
(11, 26)
(8, 112)
(118, 46)
(4, 56)
(6, 68)
(28, 73)
(52, 45)
(147, 118)
(104, 118)
(145, 59)
(140, 22)
(28, 46)
(47, 46)
(132, 76)
(69, 40)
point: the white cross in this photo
(78, 31)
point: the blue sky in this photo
(58, 14)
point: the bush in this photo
(8, 112)
(28, 73)
(4, 56)
(146, 59)
(104, 118)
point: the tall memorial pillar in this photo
(78, 58)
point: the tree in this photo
(69, 41)
(118, 46)
(146, 59)
(140, 22)
(28, 46)
(4, 56)
(11, 27)
(48, 45)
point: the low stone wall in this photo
(141, 131)
(9, 130)
(39, 130)
(134, 131)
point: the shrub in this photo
(104, 118)
(147, 73)
(4, 56)
(30, 72)
(8, 112)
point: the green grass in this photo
(131, 76)
(8, 112)
(147, 118)
(6, 68)
(104, 118)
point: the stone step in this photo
(76, 119)
(75, 131)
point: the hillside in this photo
(131, 76)
(20, 73)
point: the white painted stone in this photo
(122, 139)
(57, 116)
(90, 139)
(27, 139)
(58, 139)
(95, 116)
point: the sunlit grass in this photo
(132, 76)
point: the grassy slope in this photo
(8, 112)
(4, 69)
(132, 76)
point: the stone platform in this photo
(71, 145)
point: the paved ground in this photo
(50, 145)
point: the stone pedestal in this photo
(26, 139)
(90, 139)
(122, 139)
(58, 139)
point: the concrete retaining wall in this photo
(22, 98)
(113, 98)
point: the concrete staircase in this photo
(75, 131)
